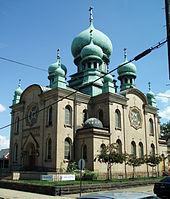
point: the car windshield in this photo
(167, 179)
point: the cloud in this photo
(2, 108)
(4, 142)
(163, 97)
(165, 114)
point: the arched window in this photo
(68, 115)
(152, 150)
(50, 111)
(84, 152)
(49, 149)
(15, 152)
(119, 146)
(67, 149)
(133, 148)
(117, 119)
(151, 131)
(140, 150)
(100, 115)
(84, 115)
(17, 125)
(95, 64)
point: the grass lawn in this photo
(77, 182)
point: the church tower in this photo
(91, 50)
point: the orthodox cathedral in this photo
(65, 121)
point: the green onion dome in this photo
(127, 69)
(91, 51)
(53, 67)
(150, 94)
(99, 39)
(18, 91)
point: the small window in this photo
(126, 80)
(89, 65)
(151, 131)
(117, 119)
(50, 111)
(68, 115)
(133, 148)
(49, 148)
(84, 115)
(131, 80)
(15, 152)
(17, 125)
(84, 152)
(100, 115)
(95, 65)
(67, 149)
(103, 147)
(119, 146)
(140, 150)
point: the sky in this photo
(32, 31)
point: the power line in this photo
(144, 53)
(20, 63)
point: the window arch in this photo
(49, 149)
(50, 112)
(119, 146)
(15, 152)
(84, 115)
(17, 125)
(84, 151)
(67, 149)
(141, 150)
(133, 148)
(152, 150)
(117, 119)
(68, 115)
(100, 115)
(151, 131)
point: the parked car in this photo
(119, 195)
(162, 188)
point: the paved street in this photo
(11, 194)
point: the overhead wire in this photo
(136, 58)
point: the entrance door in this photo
(30, 159)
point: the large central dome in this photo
(99, 39)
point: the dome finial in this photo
(19, 85)
(58, 53)
(125, 54)
(91, 14)
(149, 86)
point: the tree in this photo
(165, 128)
(134, 161)
(153, 160)
(110, 156)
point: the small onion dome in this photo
(150, 94)
(83, 39)
(52, 68)
(19, 91)
(108, 78)
(93, 123)
(127, 69)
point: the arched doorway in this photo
(30, 157)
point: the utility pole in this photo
(167, 10)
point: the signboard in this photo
(47, 177)
(81, 164)
(67, 177)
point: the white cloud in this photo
(4, 142)
(165, 114)
(163, 97)
(2, 108)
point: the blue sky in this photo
(31, 31)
